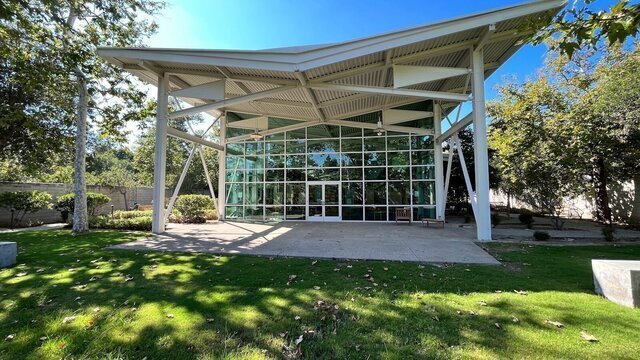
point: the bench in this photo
(8, 253)
(429, 221)
(403, 215)
(618, 281)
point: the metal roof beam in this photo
(425, 54)
(484, 39)
(301, 125)
(435, 95)
(192, 138)
(455, 128)
(396, 128)
(229, 102)
(311, 96)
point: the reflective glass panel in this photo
(398, 143)
(253, 194)
(234, 194)
(351, 174)
(323, 160)
(424, 193)
(349, 145)
(274, 194)
(399, 193)
(296, 194)
(375, 193)
(296, 175)
(376, 213)
(378, 173)
(423, 172)
(398, 158)
(351, 193)
(375, 159)
(375, 144)
(354, 159)
(422, 157)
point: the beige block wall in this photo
(141, 195)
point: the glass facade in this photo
(269, 179)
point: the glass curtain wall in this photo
(266, 179)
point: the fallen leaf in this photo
(209, 320)
(68, 319)
(170, 316)
(21, 274)
(299, 339)
(39, 270)
(554, 323)
(521, 292)
(316, 288)
(588, 337)
(497, 325)
(10, 337)
(44, 338)
(435, 318)
(358, 348)
(297, 318)
(515, 319)
(314, 262)
(482, 303)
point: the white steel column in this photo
(483, 210)
(160, 163)
(222, 168)
(437, 124)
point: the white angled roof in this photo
(362, 62)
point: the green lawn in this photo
(72, 298)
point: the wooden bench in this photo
(435, 221)
(403, 215)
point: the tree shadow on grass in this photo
(132, 304)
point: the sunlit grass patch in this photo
(80, 299)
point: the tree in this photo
(582, 27)
(529, 152)
(113, 168)
(50, 63)
(23, 202)
(612, 107)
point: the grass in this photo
(122, 304)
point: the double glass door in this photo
(324, 201)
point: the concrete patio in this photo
(373, 241)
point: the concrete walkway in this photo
(374, 241)
(54, 226)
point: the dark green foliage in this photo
(132, 214)
(526, 219)
(541, 235)
(609, 232)
(495, 219)
(23, 202)
(142, 223)
(65, 203)
(192, 208)
(582, 26)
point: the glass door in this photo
(324, 201)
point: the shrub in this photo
(142, 223)
(132, 214)
(495, 219)
(192, 208)
(210, 214)
(24, 202)
(541, 236)
(527, 219)
(65, 203)
(608, 232)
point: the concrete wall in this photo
(620, 201)
(140, 195)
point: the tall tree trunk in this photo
(124, 195)
(634, 219)
(80, 216)
(603, 211)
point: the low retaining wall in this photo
(140, 195)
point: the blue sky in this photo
(260, 24)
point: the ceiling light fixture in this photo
(380, 130)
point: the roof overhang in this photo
(337, 81)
